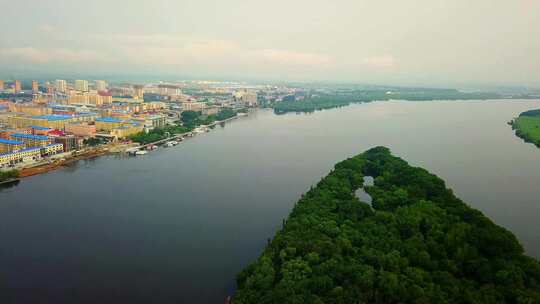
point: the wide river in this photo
(176, 225)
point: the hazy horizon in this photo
(418, 43)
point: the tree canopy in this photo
(417, 243)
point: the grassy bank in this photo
(527, 126)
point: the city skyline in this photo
(418, 43)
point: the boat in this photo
(198, 130)
(132, 151)
(171, 143)
(151, 147)
(141, 152)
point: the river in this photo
(176, 225)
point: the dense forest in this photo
(417, 243)
(527, 126)
(346, 97)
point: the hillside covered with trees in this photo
(417, 243)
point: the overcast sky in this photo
(413, 42)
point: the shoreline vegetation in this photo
(416, 243)
(320, 101)
(7, 176)
(189, 121)
(527, 126)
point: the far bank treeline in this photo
(418, 244)
(320, 101)
(189, 120)
(527, 126)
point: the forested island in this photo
(417, 243)
(527, 126)
(339, 98)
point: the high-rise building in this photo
(165, 89)
(61, 85)
(101, 85)
(1, 84)
(18, 86)
(35, 86)
(138, 91)
(81, 85)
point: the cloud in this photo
(295, 58)
(171, 52)
(52, 55)
(384, 61)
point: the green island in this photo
(8, 175)
(189, 120)
(527, 126)
(417, 243)
(320, 101)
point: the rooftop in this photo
(85, 114)
(10, 142)
(53, 117)
(108, 119)
(29, 149)
(29, 136)
(39, 128)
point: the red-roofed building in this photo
(56, 133)
(106, 97)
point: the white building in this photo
(101, 85)
(60, 85)
(81, 85)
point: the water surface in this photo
(176, 225)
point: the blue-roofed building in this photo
(9, 146)
(23, 155)
(40, 128)
(108, 123)
(52, 117)
(109, 119)
(32, 140)
(53, 121)
(10, 142)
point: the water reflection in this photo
(9, 185)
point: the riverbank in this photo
(56, 164)
(190, 133)
(113, 148)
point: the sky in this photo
(414, 42)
